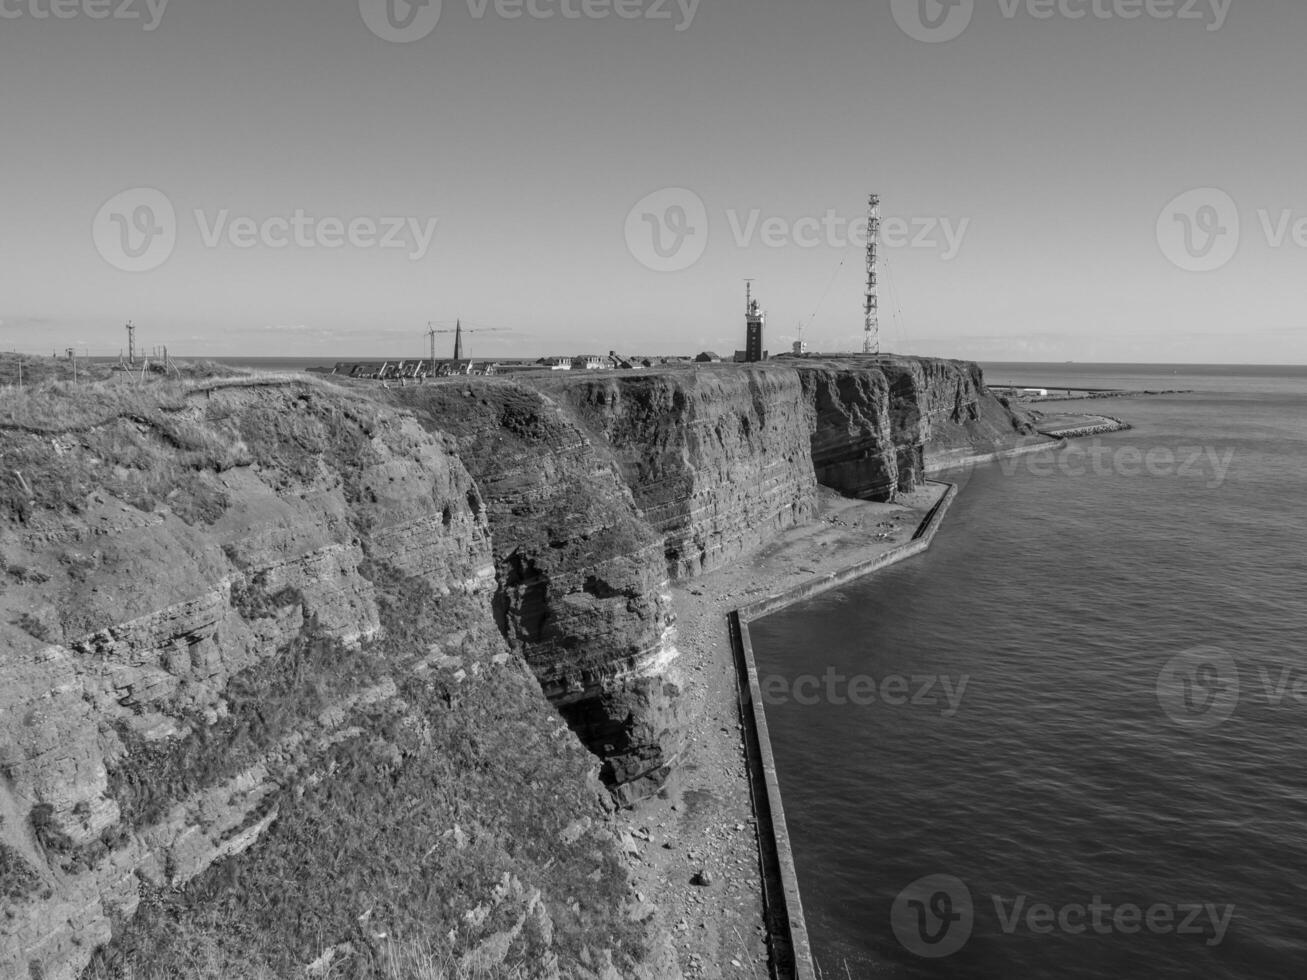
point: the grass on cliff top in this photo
(392, 844)
(165, 441)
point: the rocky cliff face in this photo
(581, 579)
(261, 615)
(590, 478)
(268, 632)
(879, 430)
(717, 461)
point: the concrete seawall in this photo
(792, 957)
(945, 464)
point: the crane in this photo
(458, 332)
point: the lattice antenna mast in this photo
(871, 326)
(131, 342)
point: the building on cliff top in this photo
(754, 321)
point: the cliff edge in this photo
(298, 673)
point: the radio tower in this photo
(871, 327)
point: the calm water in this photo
(1058, 592)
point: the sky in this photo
(1095, 180)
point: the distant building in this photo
(617, 362)
(754, 320)
(556, 363)
(707, 357)
(587, 362)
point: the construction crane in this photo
(458, 332)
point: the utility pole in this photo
(871, 310)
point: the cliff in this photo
(284, 661)
(580, 577)
(256, 712)
(588, 476)
(879, 431)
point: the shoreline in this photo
(707, 818)
(782, 899)
(704, 819)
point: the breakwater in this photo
(1089, 426)
(783, 903)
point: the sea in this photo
(1070, 740)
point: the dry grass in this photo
(163, 442)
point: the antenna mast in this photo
(871, 326)
(131, 342)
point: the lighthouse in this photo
(754, 321)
